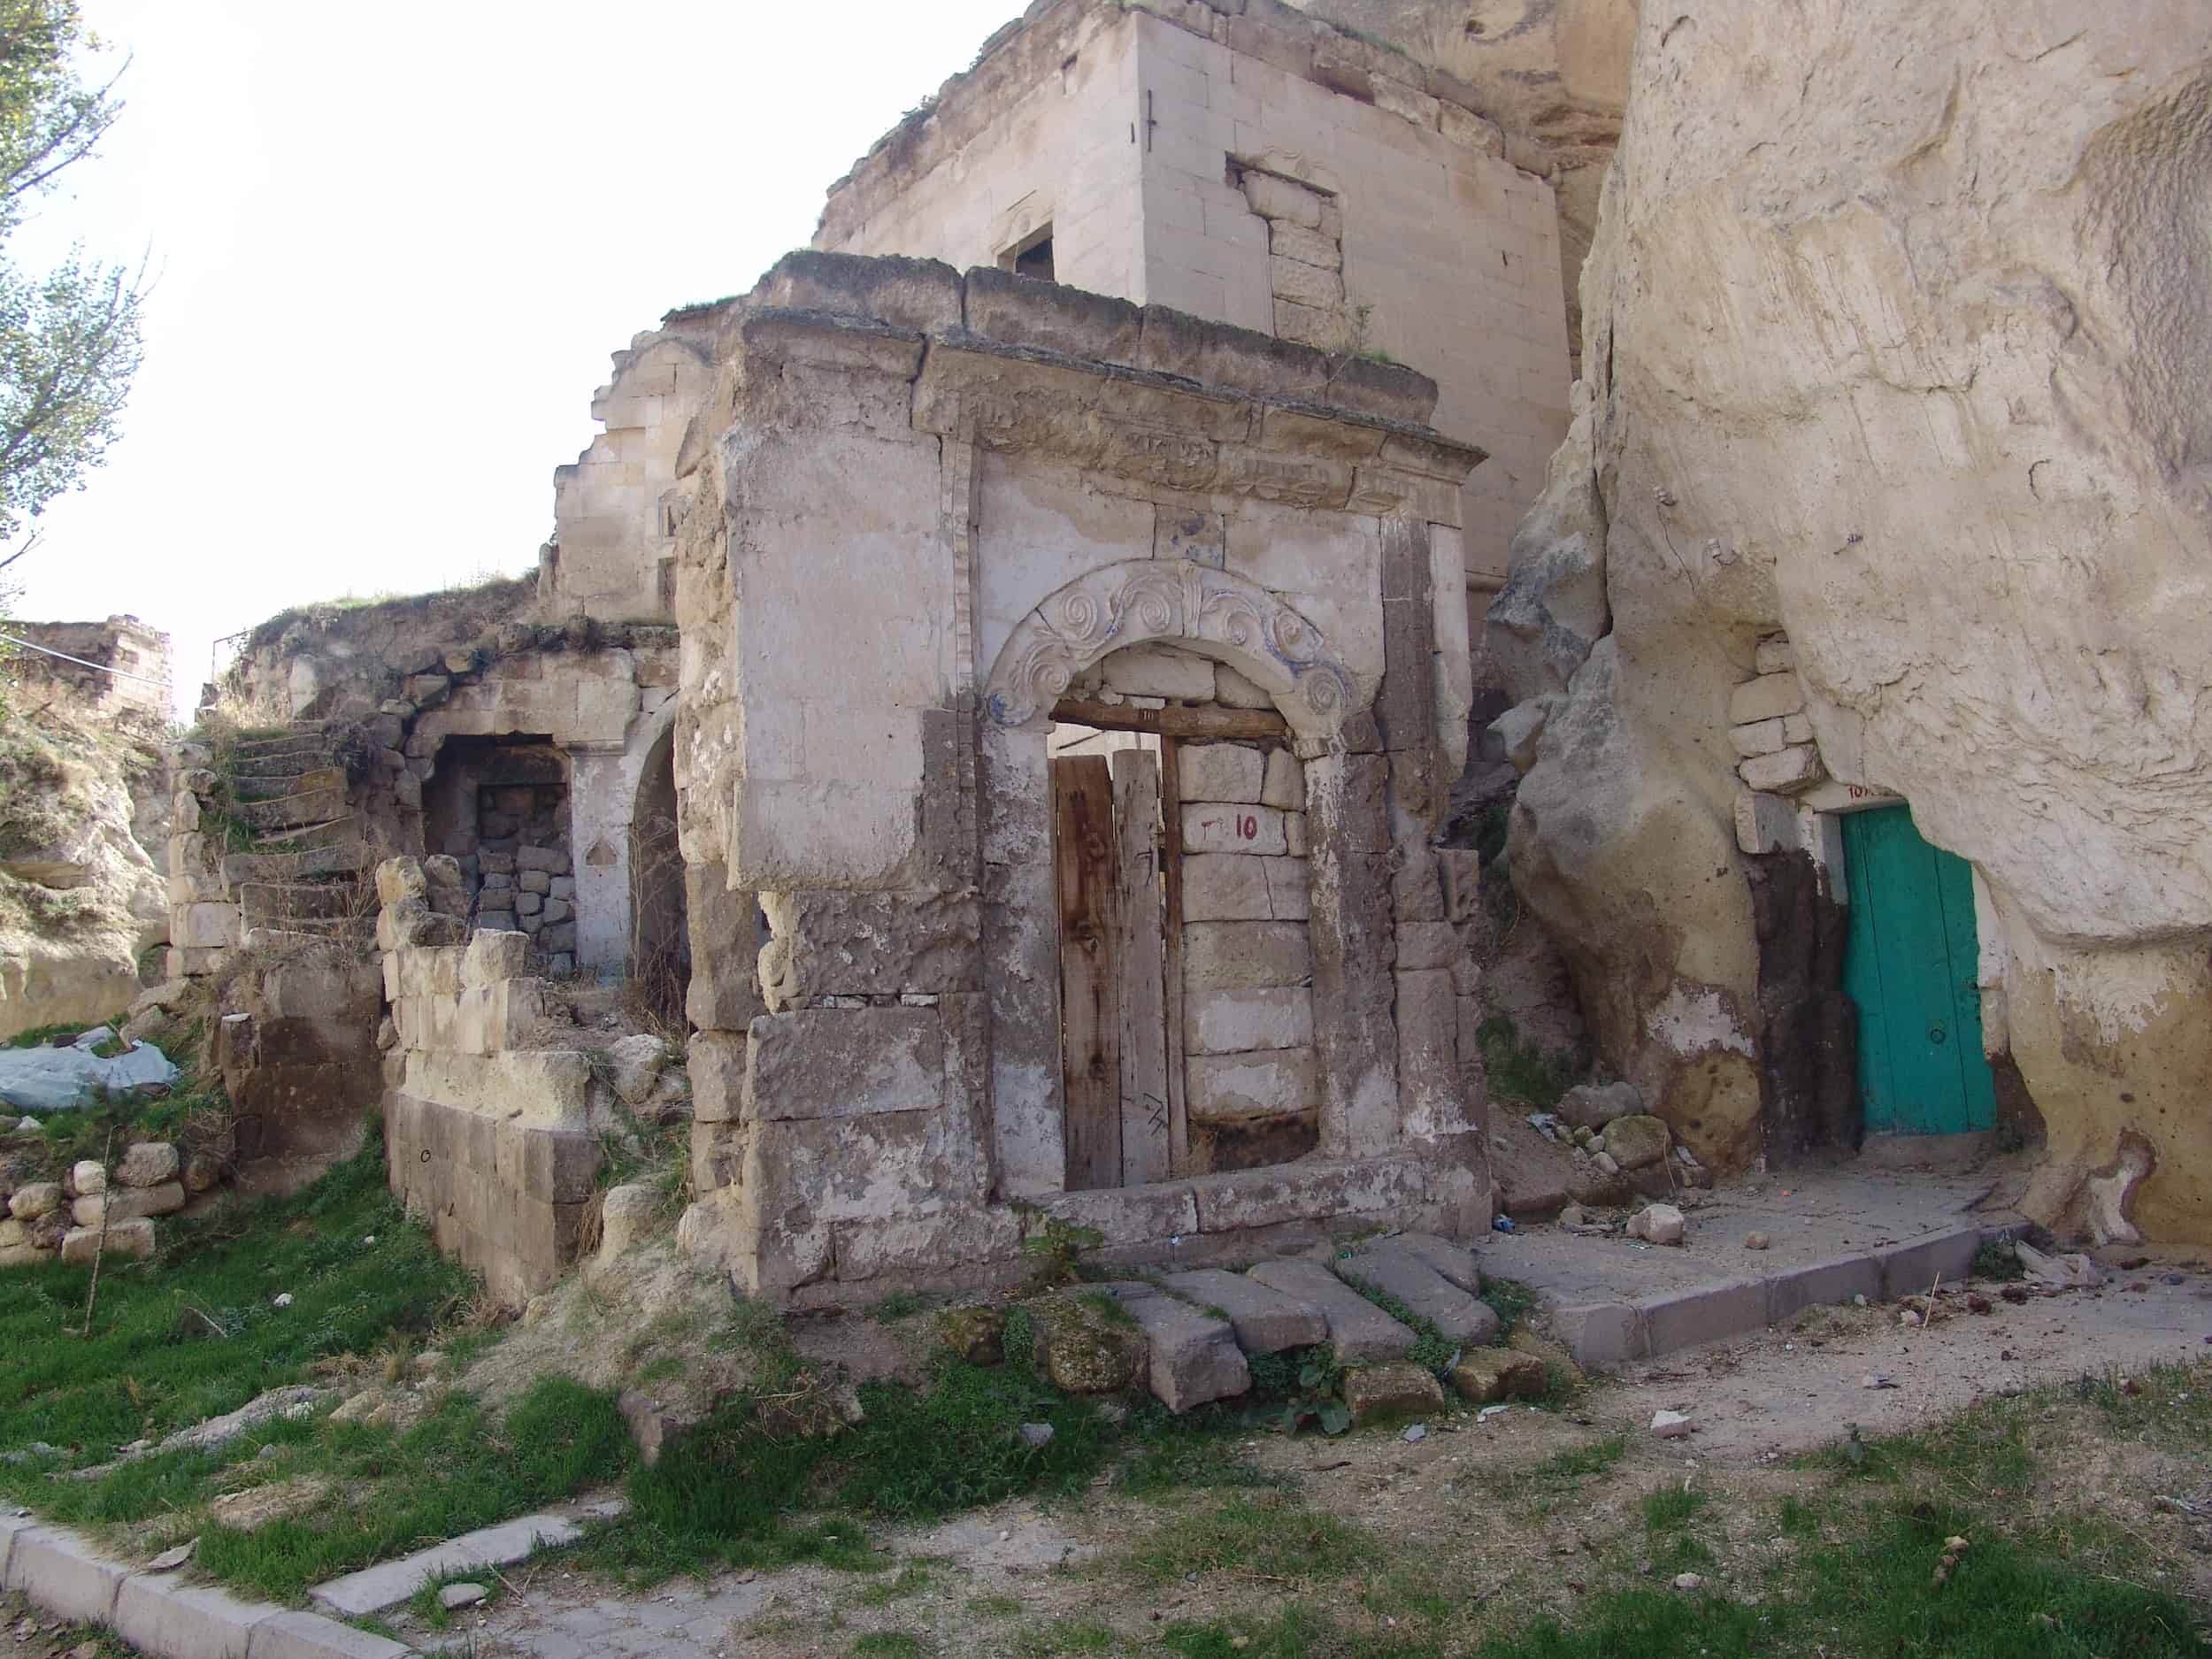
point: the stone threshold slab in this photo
(63, 1574)
(388, 1583)
(1600, 1334)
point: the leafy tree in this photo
(69, 339)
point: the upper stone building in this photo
(1249, 164)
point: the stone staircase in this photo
(301, 875)
(1202, 1328)
(269, 849)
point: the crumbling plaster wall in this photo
(1252, 165)
(975, 514)
(1894, 326)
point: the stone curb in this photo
(1602, 1335)
(63, 1574)
(388, 1583)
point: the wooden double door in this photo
(1114, 862)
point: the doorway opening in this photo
(1185, 968)
(1910, 964)
(660, 939)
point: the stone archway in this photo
(1173, 602)
(660, 941)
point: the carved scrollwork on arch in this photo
(1168, 601)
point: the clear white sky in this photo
(395, 245)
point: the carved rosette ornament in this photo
(1170, 600)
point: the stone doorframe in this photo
(1353, 924)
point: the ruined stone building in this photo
(1009, 668)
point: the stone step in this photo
(298, 900)
(260, 742)
(278, 763)
(1266, 1321)
(1393, 1267)
(309, 808)
(1359, 1332)
(274, 785)
(1192, 1355)
(307, 838)
(346, 857)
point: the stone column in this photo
(601, 796)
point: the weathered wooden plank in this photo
(1172, 907)
(1083, 858)
(1201, 722)
(1137, 900)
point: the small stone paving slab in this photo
(1396, 1271)
(1266, 1320)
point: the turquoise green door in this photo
(1910, 964)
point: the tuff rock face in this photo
(1896, 331)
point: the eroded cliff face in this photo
(1898, 324)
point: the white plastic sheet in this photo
(46, 1079)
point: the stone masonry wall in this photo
(489, 1139)
(140, 692)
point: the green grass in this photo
(891, 1644)
(1511, 1299)
(1066, 1636)
(1521, 1071)
(1273, 1538)
(196, 1332)
(910, 1581)
(1558, 1475)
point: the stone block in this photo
(1265, 1320)
(1272, 197)
(1232, 690)
(1426, 945)
(920, 294)
(1194, 1357)
(1706, 1313)
(1636, 1140)
(1234, 829)
(156, 1615)
(126, 1240)
(119, 1204)
(1776, 656)
(1359, 1332)
(1284, 785)
(1295, 843)
(1760, 737)
(1288, 240)
(1768, 697)
(494, 958)
(1797, 728)
(1052, 317)
(1128, 1215)
(203, 927)
(1145, 671)
(1306, 284)
(38, 1199)
(535, 881)
(1765, 823)
(1289, 885)
(1484, 1376)
(1823, 1284)
(1473, 131)
(1391, 1391)
(842, 1063)
(1225, 888)
(1797, 767)
(311, 1636)
(1599, 1334)
(1231, 773)
(1245, 955)
(717, 1063)
(1265, 1083)
(147, 1164)
(1219, 1021)
(1396, 1271)
(64, 1575)
(1454, 1263)
(1910, 1269)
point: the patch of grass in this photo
(746, 1492)
(1998, 1259)
(899, 1304)
(1668, 1512)
(1521, 1071)
(1563, 1472)
(1273, 1538)
(1432, 1351)
(908, 1581)
(994, 1606)
(892, 1644)
(1511, 1299)
(1298, 1632)
(1066, 1636)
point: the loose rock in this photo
(1396, 1388)
(454, 1597)
(1671, 1425)
(1659, 1224)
